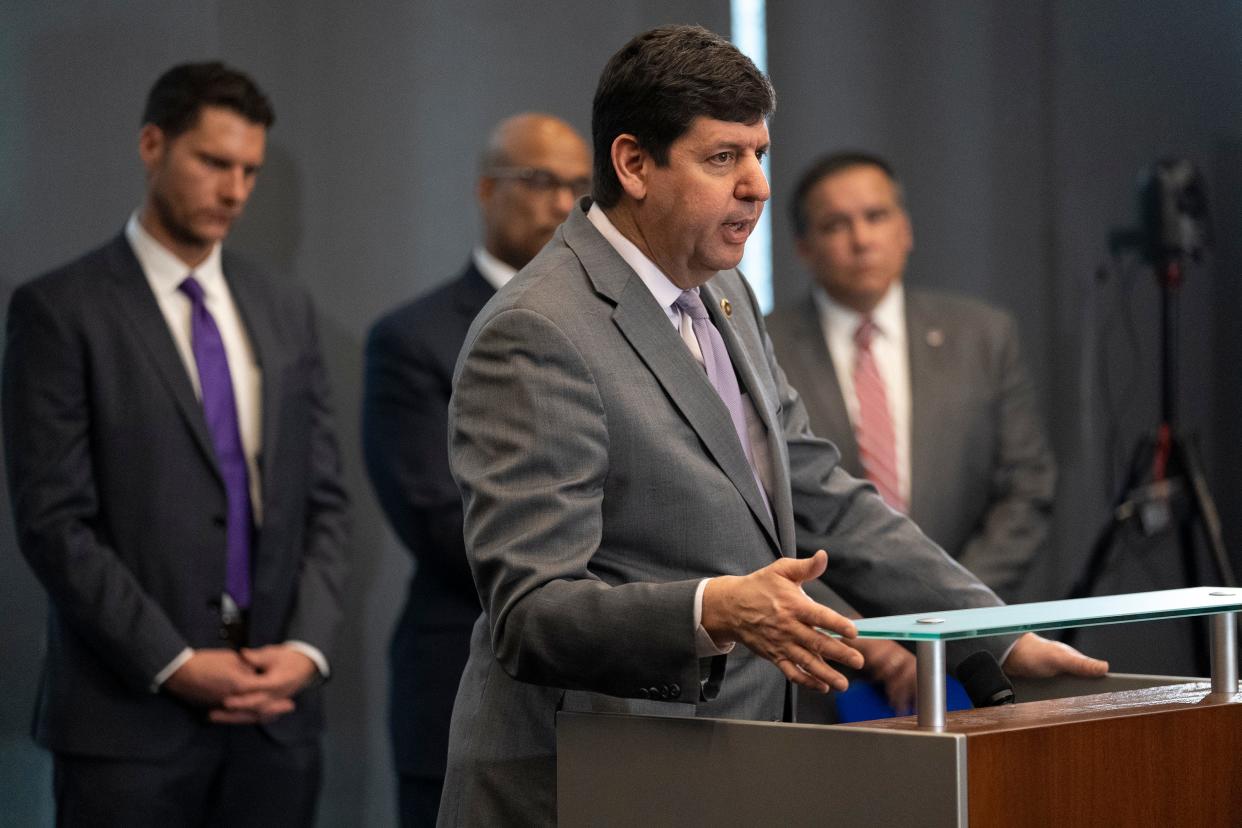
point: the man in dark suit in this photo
(642, 493)
(176, 489)
(532, 170)
(970, 461)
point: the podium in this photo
(1134, 750)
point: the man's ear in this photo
(152, 144)
(631, 164)
(484, 188)
(802, 248)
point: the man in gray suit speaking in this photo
(642, 492)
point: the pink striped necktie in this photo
(877, 438)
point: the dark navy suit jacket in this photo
(410, 357)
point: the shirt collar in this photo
(889, 316)
(496, 272)
(163, 269)
(661, 287)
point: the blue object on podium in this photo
(864, 701)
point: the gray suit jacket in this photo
(602, 480)
(119, 504)
(982, 475)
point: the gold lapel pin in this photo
(727, 307)
(935, 337)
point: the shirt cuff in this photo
(704, 647)
(313, 653)
(172, 667)
(1009, 650)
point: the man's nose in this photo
(753, 185)
(861, 234)
(234, 186)
(563, 202)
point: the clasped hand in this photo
(248, 686)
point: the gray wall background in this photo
(1018, 127)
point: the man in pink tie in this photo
(924, 393)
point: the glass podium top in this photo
(1052, 615)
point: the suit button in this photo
(219, 520)
(664, 691)
(223, 633)
(674, 689)
(642, 693)
(653, 692)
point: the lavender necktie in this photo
(220, 408)
(719, 371)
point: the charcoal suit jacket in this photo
(120, 506)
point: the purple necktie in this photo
(220, 408)
(719, 371)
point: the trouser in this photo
(228, 775)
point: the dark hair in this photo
(176, 99)
(661, 81)
(829, 165)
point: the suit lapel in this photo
(827, 397)
(645, 326)
(139, 305)
(252, 309)
(471, 292)
(925, 395)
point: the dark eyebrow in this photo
(220, 161)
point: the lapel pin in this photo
(935, 337)
(727, 307)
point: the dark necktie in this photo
(220, 408)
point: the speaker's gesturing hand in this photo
(768, 613)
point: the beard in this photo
(180, 231)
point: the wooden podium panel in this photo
(1164, 756)
(1159, 756)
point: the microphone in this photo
(984, 681)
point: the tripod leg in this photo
(1204, 509)
(1101, 550)
(1140, 465)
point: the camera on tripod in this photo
(1173, 210)
(1166, 487)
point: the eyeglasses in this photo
(541, 180)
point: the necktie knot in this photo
(865, 332)
(690, 304)
(191, 288)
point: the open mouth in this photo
(739, 230)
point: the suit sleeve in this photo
(1015, 526)
(405, 443)
(529, 448)
(325, 541)
(48, 436)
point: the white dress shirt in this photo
(496, 272)
(165, 273)
(892, 360)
